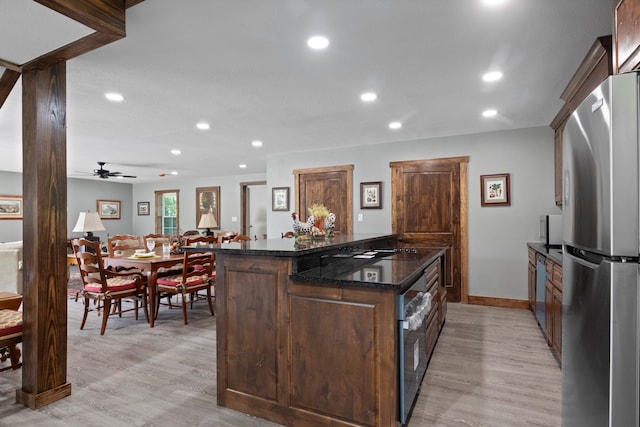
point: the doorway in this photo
(429, 208)
(254, 209)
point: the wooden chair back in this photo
(287, 235)
(199, 240)
(225, 236)
(124, 244)
(240, 238)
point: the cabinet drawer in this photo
(549, 268)
(557, 276)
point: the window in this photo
(167, 209)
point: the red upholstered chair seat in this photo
(114, 284)
(10, 323)
(177, 280)
(10, 336)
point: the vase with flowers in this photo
(320, 223)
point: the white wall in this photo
(230, 203)
(81, 196)
(497, 235)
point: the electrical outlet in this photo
(360, 217)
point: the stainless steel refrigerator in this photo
(600, 342)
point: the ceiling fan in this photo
(104, 173)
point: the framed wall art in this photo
(371, 195)
(494, 190)
(108, 209)
(208, 200)
(143, 208)
(280, 199)
(11, 207)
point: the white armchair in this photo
(11, 267)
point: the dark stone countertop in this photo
(392, 271)
(553, 253)
(292, 247)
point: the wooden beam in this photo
(101, 15)
(7, 82)
(44, 225)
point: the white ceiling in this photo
(244, 67)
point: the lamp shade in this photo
(88, 222)
(207, 220)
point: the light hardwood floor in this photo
(491, 367)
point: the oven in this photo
(413, 307)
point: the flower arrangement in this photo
(320, 223)
(319, 211)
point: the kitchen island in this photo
(308, 333)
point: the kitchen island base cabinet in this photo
(336, 346)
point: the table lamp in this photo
(208, 221)
(88, 222)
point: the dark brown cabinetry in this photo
(306, 341)
(627, 36)
(531, 280)
(553, 307)
(594, 69)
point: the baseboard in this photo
(499, 302)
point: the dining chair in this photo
(10, 337)
(105, 287)
(287, 235)
(197, 275)
(124, 244)
(225, 236)
(240, 238)
(199, 240)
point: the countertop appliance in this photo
(551, 230)
(601, 220)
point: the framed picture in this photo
(10, 207)
(371, 195)
(208, 200)
(495, 190)
(108, 209)
(280, 199)
(143, 208)
(372, 274)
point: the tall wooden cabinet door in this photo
(331, 186)
(429, 209)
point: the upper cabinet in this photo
(593, 70)
(627, 35)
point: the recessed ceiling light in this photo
(489, 113)
(174, 172)
(115, 97)
(368, 97)
(492, 76)
(395, 125)
(318, 42)
(256, 143)
(242, 166)
(203, 126)
(176, 152)
(493, 2)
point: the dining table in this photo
(149, 265)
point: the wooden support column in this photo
(44, 346)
